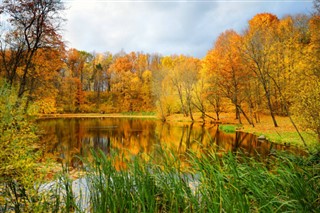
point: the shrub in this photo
(18, 168)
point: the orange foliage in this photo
(263, 21)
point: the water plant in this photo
(161, 182)
(231, 183)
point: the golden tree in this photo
(257, 50)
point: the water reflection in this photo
(64, 139)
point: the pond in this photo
(66, 138)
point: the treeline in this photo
(271, 67)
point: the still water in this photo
(66, 138)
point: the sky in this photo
(166, 27)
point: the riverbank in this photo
(98, 115)
(284, 134)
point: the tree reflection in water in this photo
(64, 139)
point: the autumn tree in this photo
(199, 99)
(32, 25)
(154, 63)
(70, 93)
(175, 76)
(145, 65)
(203, 96)
(163, 90)
(75, 63)
(213, 94)
(159, 93)
(291, 40)
(258, 51)
(130, 78)
(43, 80)
(232, 74)
(307, 102)
(316, 5)
(101, 75)
(85, 61)
(190, 71)
(146, 91)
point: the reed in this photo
(229, 183)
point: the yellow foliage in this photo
(19, 170)
(45, 106)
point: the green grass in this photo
(228, 128)
(231, 183)
(293, 138)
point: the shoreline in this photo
(93, 115)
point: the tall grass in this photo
(231, 183)
(228, 185)
(143, 187)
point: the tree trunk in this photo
(205, 114)
(237, 113)
(188, 139)
(270, 108)
(163, 117)
(184, 111)
(239, 116)
(190, 110)
(245, 115)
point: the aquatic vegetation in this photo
(228, 183)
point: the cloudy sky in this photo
(167, 27)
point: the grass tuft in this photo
(227, 128)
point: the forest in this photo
(272, 67)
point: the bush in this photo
(86, 108)
(43, 106)
(107, 108)
(18, 168)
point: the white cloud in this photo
(166, 28)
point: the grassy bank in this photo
(284, 134)
(231, 183)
